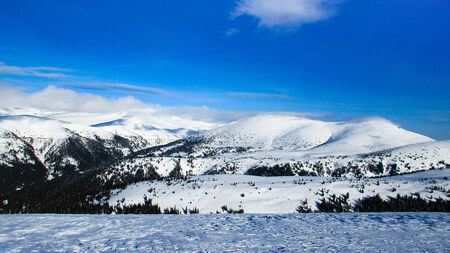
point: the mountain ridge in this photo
(265, 145)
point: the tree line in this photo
(407, 203)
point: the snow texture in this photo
(348, 232)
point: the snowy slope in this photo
(19, 165)
(409, 158)
(45, 134)
(36, 148)
(268, 132)
(13, 149)
(289, 133)
(276, 194)
(369, 135)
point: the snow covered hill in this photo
(271, 145)
(289, 133)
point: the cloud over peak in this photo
(286, 13)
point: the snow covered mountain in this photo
(289, 133)
(142, 144)
(147, 127)
(38, 145)
(273, 145)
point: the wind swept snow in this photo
(349, 232)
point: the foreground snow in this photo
(368, 232)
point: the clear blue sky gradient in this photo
(389, 58)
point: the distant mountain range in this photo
(38, 146)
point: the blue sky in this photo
(346, 58)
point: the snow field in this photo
(275, 195)
(347, 232)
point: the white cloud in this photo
(230, 32)
(114, 87)
(65, 100)
(260, 95)
(48, 72)
(56, 99)
(286, 13)
(52, 72)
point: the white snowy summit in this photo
(290, 133)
